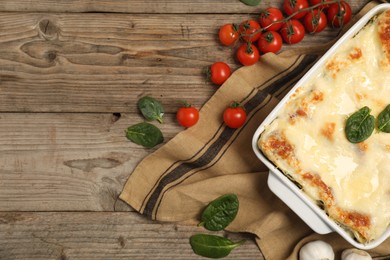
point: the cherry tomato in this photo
(270, 42)
(187, 116)
(292, 31)
(234, 116)
(228, 34)
(250, 30)
(269, 16)
(316, 2)
(247, 54)
(339, 14)
(292, 6)
(315, 21)
(219, 72)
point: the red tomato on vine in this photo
(250, 30)
(270, 42)
(292, 6)
(269, 16)
(339, 14)
(247, 54)
(315, 21)
(292, 31)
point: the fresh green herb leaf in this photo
(145, 134)
(212, 246)
(383, 120)
(251, 2)
(151, 109)
(220, 212)
(360, 125)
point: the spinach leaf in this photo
(360, 125)
(144, 134)
(251, 2)
(212, 246)
(383, 120)
(151, 109)
(220, 212)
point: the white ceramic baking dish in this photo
(285, 189)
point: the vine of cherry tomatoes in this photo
(287, 24)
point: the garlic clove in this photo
(355, 254)
(316, 250)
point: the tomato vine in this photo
(285, 25)
(340, 12)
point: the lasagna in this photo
(307, 140)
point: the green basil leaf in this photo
(212, 246)
(383, 120)
(220, 212)
(360, 125)
(251, 2)
(151, 109)
(145, 134)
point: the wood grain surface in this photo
(71, 73)
(101, 235)
(144, 6)
(106, 62)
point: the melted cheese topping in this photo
(307, 139)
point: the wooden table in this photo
(71, 72)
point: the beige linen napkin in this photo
(203, 162)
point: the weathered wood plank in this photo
(138, 6)
(105, 62)
(90, 235)
(68, 162)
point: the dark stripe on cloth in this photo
(177, 162)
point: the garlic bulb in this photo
(316, 250)
(355, 254)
